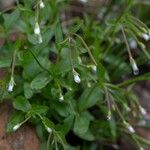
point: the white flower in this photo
(16, 127)
(141, 148)
(109, 116)
(37, 29)
(76, 77)
(146, 36)
(134, 66)
(61, 98)
(94, 68)
(130, 128)
(49, 130)
(143, 111)
(11, 85)
(84, 1)
(133, 44)
(40, 40)
(41, 4)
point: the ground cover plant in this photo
(73, 79)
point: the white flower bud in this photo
(41, 4)
(40, 40)
(134, 66)
(143, 111)
(11, 85)
(16, 127)
(76, 77)
(146, 36)
(49, 130)
(61, 98)
(130, 128)
(84, 1)
(37, 29)
(133, 44)
(109, 116)
(94, 68)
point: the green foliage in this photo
(73, 81)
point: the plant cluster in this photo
(75, 80)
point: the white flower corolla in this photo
(11, 85)
(76, 77)
(94, 68)
(84, 1)
(109, 115)
(133, 44)
(146, 36)
(37, 29)
(40, 40)
(143, 111)
(41, 4)
(134, 66)
(49, 130)
(61, 98)
(16, 127)
(129, 127)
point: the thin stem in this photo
(126, 42)
(48, 141)
(13, 63)
(70, 54)
(85, 45)
(39, 63)
(134, 80)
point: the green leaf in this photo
(81, 124)
(28, 92)
(10, 19)
(40, 81)
(38, 109)
(90, 97)
(20, 103)
(14, 119)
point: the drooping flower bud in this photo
(76, 77)
(134, 66)
(16, 127)
(109, 115)
(129, 127)
(42, 4)
(94, 68)
(143, 111)
(40, 40)
(61, 97)
(133, 44)
(49, 130)
(37, 29)
(11, 84)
